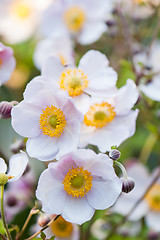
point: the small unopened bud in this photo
(114, 154)
(44, 220)
(153, 235)
(17, 146)
(3, 179)
(12, 201)
(127, 184)
(5, 109)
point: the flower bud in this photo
(5, 109)
(3, 179)
(153, 235)
(127, 184)
(114, 154)
(44, 220)
(12, 201)
(17, 146)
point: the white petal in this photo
(3, 166)
(51, 192)
(43, 147)
(151, 90)
(17, 165)
(25, 119)
(52, 68)
(77, 210)
(91, 32)
(153, 220)
(126, 97)
(103, 194)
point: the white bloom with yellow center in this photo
(50, 120)
(109, 121)
(19, 19)
(17, 166)
(150, 206)
(60, 47)
(7, 63)
(84, 20)
(77, 184)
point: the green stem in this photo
(2, 213)
(147, 148)
(122, 169)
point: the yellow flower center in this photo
(21, 9)
(52, 121)
(77, 182)
(0, 61)
(61, 228)
(73, 81)
(99, 115)
(140, 1)
(74, 18)
(153, 198)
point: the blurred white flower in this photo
(150, 64)
(60, 47)
(83, 20)
(19, 18)
(50, 120)
(7, 63)
(109, 121)
(77, 184)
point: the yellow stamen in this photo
(63, 60)
(153, 198)
(52, 121)
(77, 182)
(99, 115)
(0, 61)
(61, 228)
(74, 18)
(21, 9)
(73, 81)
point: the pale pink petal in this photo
(77, 210)
(17, 165)
(3, 166)
(42, 147)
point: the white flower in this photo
(149, 206)
(93, 76)
(60, 47)
(109, 121)
(84, 20)
(19, 19)
(51, 122)
(77, 184)
(17, 166)
(7, 63)
(61, 229)
(151, 65)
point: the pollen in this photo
(77, 182)
(61, 228)
(99, 115)
(74, 81)
(153, 198)
(21, 9)
(74, 18)
(52, 121)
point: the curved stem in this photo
(2, 213)
(122, 169)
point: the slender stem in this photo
(147, 148)
(122, 169)
(3, 237)
(37, 233)
(2, 213)
(32, 212)
(113, 230)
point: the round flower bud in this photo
(127, 184)
(17, 146)
(12, 201)
(114, 154)
(5, 109)
(43, 220)
(153, 235)
(3, 179)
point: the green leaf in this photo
(43, 235)
(2, 229)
